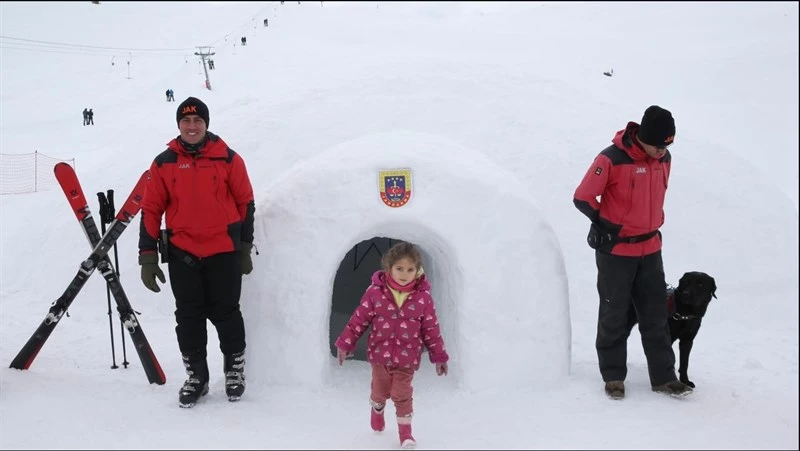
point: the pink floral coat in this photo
(398, 333)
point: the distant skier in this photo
(85, 116)
(266, 22)
(244, 40)
(399, 298)
(90, 117)
(170, 95)
(211, 64)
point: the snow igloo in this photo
(496, 269)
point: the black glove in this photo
(246, 259)
(150, 271)
(599, 237)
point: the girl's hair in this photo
(399, 251)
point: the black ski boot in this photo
(234, 375)
(197, 383)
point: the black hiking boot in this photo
(234, 375)
(197, 383)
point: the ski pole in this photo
(103, 215)
(111, 213)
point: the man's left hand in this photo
(247, 260)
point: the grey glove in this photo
(247, 260)
(150, 271)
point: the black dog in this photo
(687, 306)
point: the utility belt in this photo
(637, 238)
(171, 253)
(603, 240)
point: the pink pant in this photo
(393, 383)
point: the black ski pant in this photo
(633, 289)
(207, 289)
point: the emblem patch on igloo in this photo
(395, 187)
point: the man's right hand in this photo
(151, 270)
(598, 236)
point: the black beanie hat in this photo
(657, 127)
(190, 106)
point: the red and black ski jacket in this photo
(632, 187)
(207, 198)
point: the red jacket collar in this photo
(215, 147)
(626, 140)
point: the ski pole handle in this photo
(112, 211)
(110, 197)
(103, 207)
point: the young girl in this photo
(399, 306)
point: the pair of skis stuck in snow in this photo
(98, 259)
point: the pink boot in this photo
(376, 419)
(406, 439)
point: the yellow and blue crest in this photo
(395, 187)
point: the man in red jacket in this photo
(631, 178)
(202, 188)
